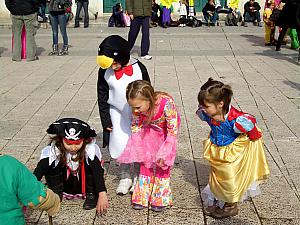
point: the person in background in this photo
(251, 13)
(183, 13)
(85, 5)
(118, 15)
(234, 16)
(155, 18)
(140, 12)
(209, 13)
(23, 13)
(269, 24)
(57, 12)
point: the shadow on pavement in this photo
(292, 84)
(2, 50)
(270, 50)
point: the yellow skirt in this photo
(235, 167)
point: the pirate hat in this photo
(71, 129)
(113, 48)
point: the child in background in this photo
(116, 71)
(183, 13)
(71, 164)
(153, 144)
(234, 150)
(269, 24)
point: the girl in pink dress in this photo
(153, 144)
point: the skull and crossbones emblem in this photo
(72, 134)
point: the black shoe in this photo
(76, 26)
(90, 201)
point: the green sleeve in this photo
(29, 189)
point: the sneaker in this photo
(230, 209)
(137, 206)
(90, 201)
(259, 24)
(245, 24)
(133, 185)
(146, 57)
(124, 186)
(158, 208)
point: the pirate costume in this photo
(114, 110)
(70, 176)
(19, 187)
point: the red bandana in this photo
(73, 142)
(128, 70)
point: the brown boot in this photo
(229, 209)
(209, 210)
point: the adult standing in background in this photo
(57, 12)
(140, 12)
(85, 4)
(23, 12)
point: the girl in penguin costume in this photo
(117, 70)
(71, 164)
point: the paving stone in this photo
(177, 216)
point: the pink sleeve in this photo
(168, 149)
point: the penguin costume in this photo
(114, 110)
(71, 163)
(117, 70)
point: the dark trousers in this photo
(85, 5)
(210, 19)
(136, 24)
(252, 17)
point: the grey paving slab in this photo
(265, 83)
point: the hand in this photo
(102, 204)
(161, 163)
(131, 16)
(109, 129)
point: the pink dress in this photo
(156, 140)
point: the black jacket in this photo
(248, 5)
(22, 7)
(290, 14)
(103, 96)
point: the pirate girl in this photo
(116, 71)
(71, 164)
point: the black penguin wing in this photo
(145, 75)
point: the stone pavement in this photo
(265, 83)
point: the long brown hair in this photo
(214, 91)
(58, 140)
(143, 90)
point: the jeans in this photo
(136, 24)
(85, 5)
(62, 21)
(252, 17)
(212, 19)
(30, 22)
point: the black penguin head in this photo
(113, 48)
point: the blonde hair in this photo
(214, 91)
(143, 90)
